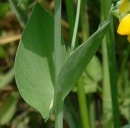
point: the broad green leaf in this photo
(34, 63)
(8, 108)
(76, 63)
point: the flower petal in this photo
(124, 26)
(125, 6)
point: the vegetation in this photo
(64, 64)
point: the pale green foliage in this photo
(35, 66)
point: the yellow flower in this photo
(125, 6)
(124, 26)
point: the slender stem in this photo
(70, 15)
(58, 62)
(20, 13)
(71, 20)
(76, 26)
(59, 116)
(84, 21)
(112, 66)
(83, 104)
(80, 88)
(113, 80)
(57, 36)
(107, 103)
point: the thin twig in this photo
(9, 39)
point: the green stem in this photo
(57, 36)
(83, 104)
(71, 19)
(76, 26)
(84, 21)
(111, 65)
(107, 103)
(59, 116)
(20, 13)
(113, 79)
(58, 62)
(70, 15)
